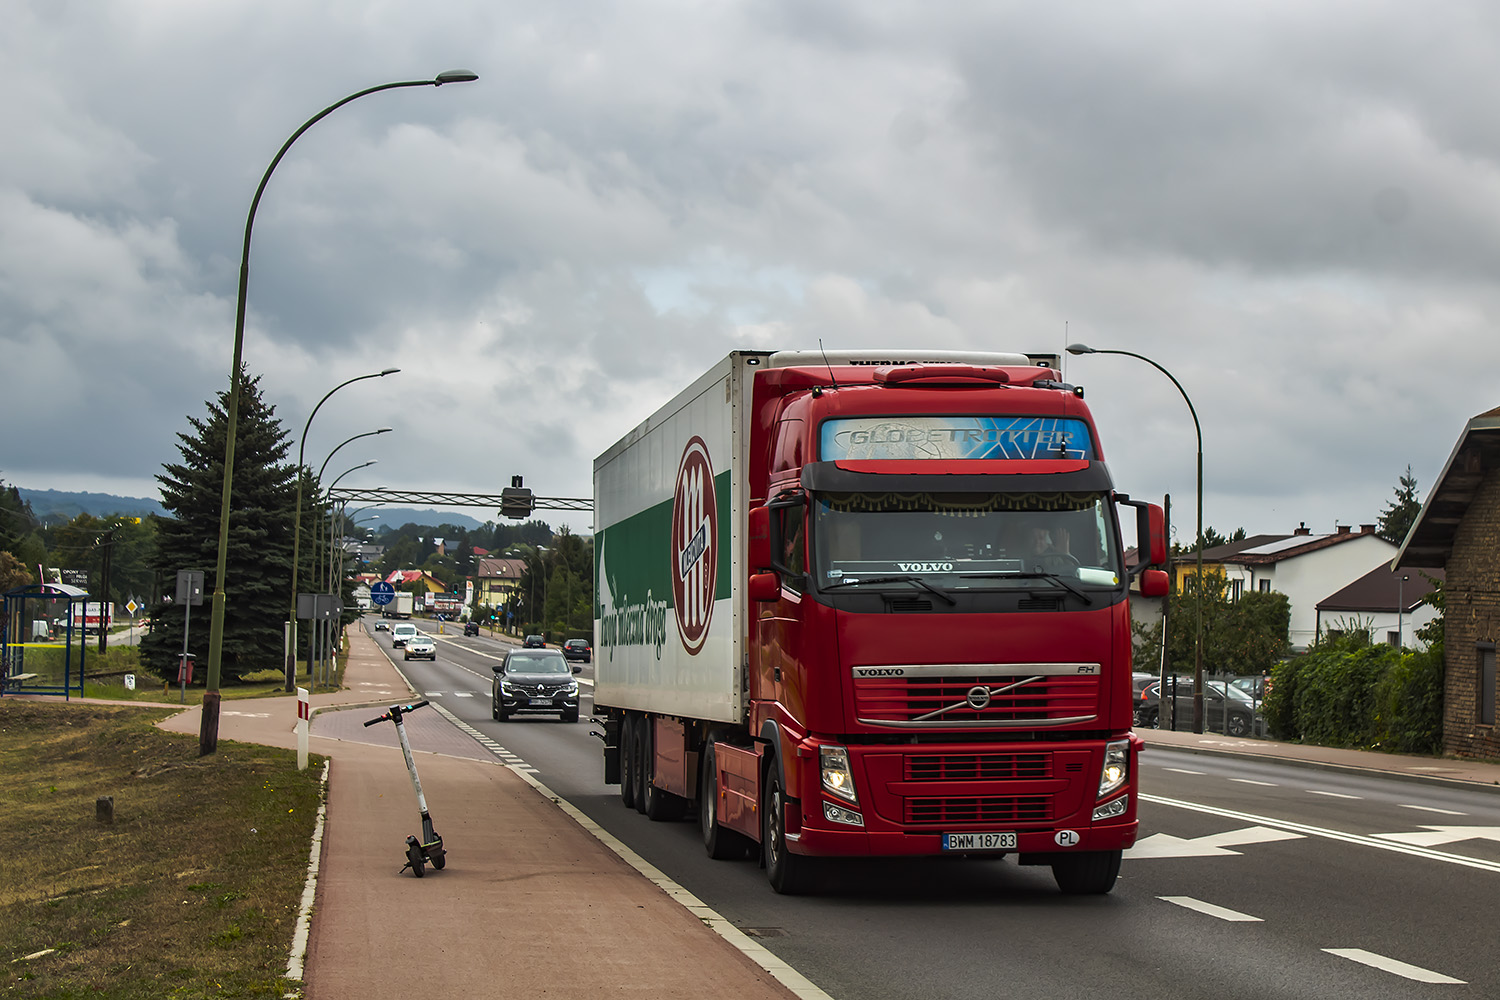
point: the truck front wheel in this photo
(788, 873)
(1090, 873)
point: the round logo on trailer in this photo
(695, 548)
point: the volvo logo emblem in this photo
(978, 697)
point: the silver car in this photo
(420, 647)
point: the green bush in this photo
(1347, 691)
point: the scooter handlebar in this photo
(392, 713)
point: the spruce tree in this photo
(259, 552)
(1401, 513)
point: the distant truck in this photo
(91, 617)
(401, 607)
(873, 604)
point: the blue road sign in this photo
(382, 593)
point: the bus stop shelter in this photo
(37, 647)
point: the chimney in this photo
(1367, 529)
(1302, 529)
(1342, 529)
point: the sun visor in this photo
(831, 477)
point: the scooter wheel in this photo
(415, 858)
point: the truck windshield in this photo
(965, 541)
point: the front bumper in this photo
(520, 704)
(910, 796)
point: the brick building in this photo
(1459, 530)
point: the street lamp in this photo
(208, 731)
(1197, 544)
(291, 618)
(1400, 609)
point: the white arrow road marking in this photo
(1215, 845)
(1210, 909)
(1432, 809)
(1432, 836)
(1384, 964)
(1315, 831)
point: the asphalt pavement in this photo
(536, 900)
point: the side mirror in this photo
(765, 587)
(498, 668)
(577, 669)
(1151, 532)
(760, 538)
(1154, 583)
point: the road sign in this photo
(382, 593)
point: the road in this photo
(1250, 879)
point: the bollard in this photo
(304, 720)
(104, 809)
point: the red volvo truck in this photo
(873, 604)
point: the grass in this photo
(191, 892)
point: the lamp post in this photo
(208, 731)
(1400, 609)
(1197, 542)
(291, 618)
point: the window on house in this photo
(1487, 684)
(1393, 638)
(1236, 587)
(1264, 586)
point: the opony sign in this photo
(695, 548)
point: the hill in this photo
(56, 506)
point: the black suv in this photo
(471, 628)
(577, 649)
(535, 681)
(534, 642)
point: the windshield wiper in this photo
(896, 579)
(1061, 581)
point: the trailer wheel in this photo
(721, 844)
(1091, 873)
(638, 751)
(788, 873)
(627, 761)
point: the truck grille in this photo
(1002, 809)
(979, 767)
(945, 701)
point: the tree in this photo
(1211, 539)
(259, 553)
(19, 528)
(1400, 514)
(1247, 636)
(13, 573)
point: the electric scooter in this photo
(428, 850)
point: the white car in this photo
(419, 646)
(403, 633)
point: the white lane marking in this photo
(295, 962)
(463, 694)
(432, 694)
(1331, 795)
(1431, 836)
(1432, 809)
(1316, 831)
(1215, 845)
(1210, 909)
(1181, 770)
(1249, 781)
(1392, 966)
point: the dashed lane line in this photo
(1393, 966)
(1331, 795)
(1221, 912)
(1431, 809)
(1251, 781)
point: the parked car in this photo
(1255, 686)
(401, 633)
(578, 649)
(534, 642)
(382, 626)
(419, 647)
(471, 628)
(535, 681)
(1240, 710)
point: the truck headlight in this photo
(1116, 770)
(837, 778)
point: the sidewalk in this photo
(1434, 769)
(529, 904)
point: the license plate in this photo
(541, 701)
(979, 841)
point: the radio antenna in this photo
(827, 364)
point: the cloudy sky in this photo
(1292, 206)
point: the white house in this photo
(1305, 567)
(1385, 601)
